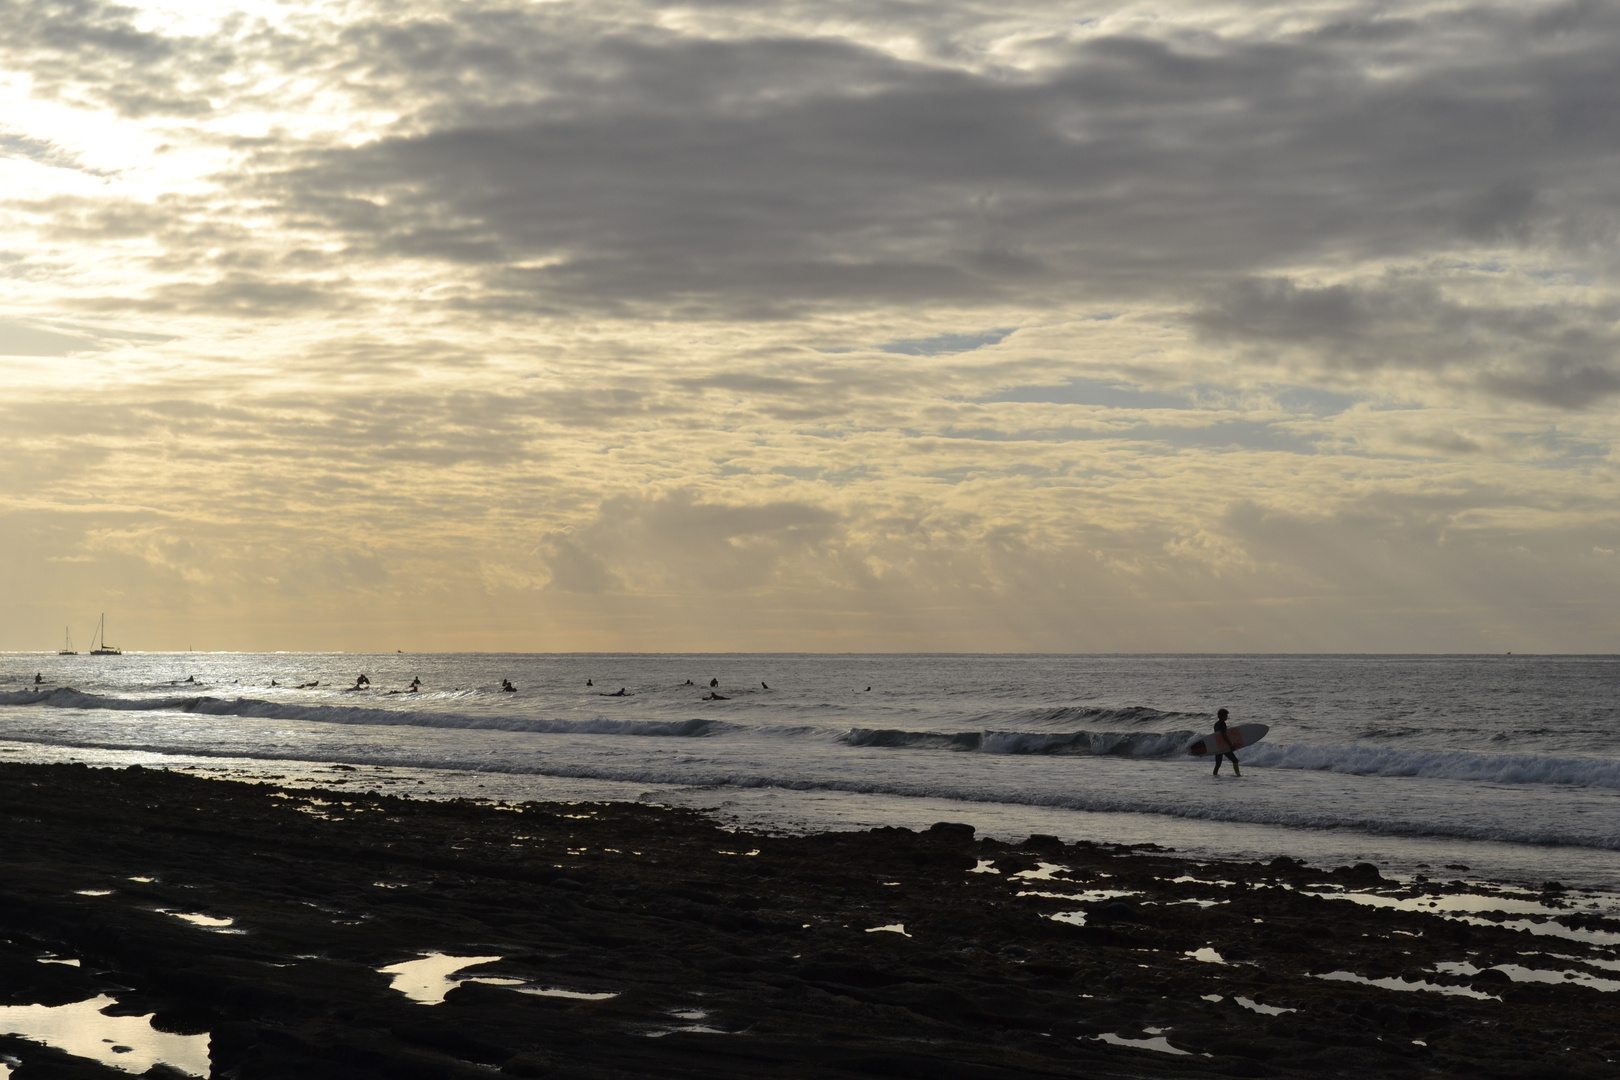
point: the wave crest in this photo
(256, 708)
(1130, 744)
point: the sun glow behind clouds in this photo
(809, 327)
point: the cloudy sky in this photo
(823, 325)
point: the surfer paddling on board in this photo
(1220, 729)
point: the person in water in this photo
(1220, 729)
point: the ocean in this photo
(1475, 767)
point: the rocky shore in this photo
(622, 940)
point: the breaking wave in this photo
(67, 698)
(1438, 765)
(1132, 744)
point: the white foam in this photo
(1437, 765)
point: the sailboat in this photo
(103, 649)
(67, 644)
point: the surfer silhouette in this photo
(1220, 729)
(714, 682)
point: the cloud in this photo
(1566, 355)
(946, 343)
(21, 339)
(626, 326)
(767, 174)
(676, 542)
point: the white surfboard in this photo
(1224, 742)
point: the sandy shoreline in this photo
(643, 941)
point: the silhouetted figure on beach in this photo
(506, 685)
(589, 683)
(868, 690)
(621, 692)
(713, 683)
(191, 678)
(272, 682)
(762, 683)
(361, 680)
(688, 682)
(1220, 729)
(38, 678)
(416, 684)
(716, 697)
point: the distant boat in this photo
(67, 644)
(103, 649)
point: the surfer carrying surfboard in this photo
(1220, 729)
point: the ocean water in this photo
(1502, 767)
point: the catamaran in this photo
(103, 649)
(67, 644)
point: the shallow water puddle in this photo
(1042, 872)
(1157, 1042)
(1548, 929)
(129, 1043)
(1519, 973)
(428, 980)
(1399, 984)
(1088, 895)
(1267, 1010)
(893, 928)
(1466, 907)
(1206, 955)
(557, 992)
(986, 866)
(207, 922)
(1446, 903)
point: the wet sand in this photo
(636, 941)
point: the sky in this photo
(817, 325)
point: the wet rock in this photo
(784, 952)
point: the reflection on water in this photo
(129, 1043)
(1398, 984)
(427, 980)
